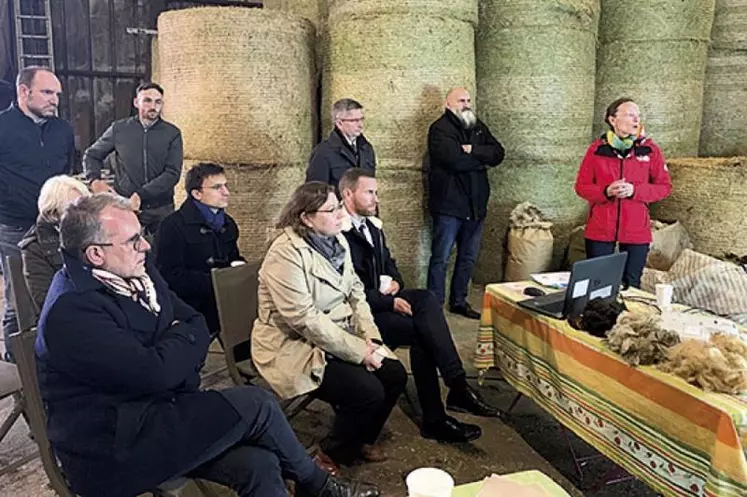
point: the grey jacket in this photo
(332, 157)
(148, 161)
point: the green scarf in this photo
(620, 144)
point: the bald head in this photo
(458, 99)
(38, 91)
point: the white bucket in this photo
(429, 482)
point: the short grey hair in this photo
(342, 106)
(80, 226)
(56, 193)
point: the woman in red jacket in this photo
(622, 172)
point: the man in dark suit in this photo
(119, 356)
(346, 146)
(409, 317)
(460, 148)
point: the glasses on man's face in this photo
(331, 210)
(135, 241)
(217, 187)
(353, 120)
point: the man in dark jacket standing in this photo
(34, 146)
(148, 158)
(346, 146)
(198, 237)
(118, 358)
(409, 317)
(461, 148)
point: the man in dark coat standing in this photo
(118, 358)
(198, 237)
(409, 317)
(346, 146)
(460, 148)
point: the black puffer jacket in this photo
(41, 259)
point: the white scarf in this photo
(139, 289)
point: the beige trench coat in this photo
(303, 302)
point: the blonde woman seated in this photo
(315, 332)
(40, 245)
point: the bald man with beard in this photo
(461, 148)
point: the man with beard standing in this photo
(148, 158)
(34, 146)
(461, 148)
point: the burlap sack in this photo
(669, 240)
(576, 247)
(529, 251)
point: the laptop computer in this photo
(597, 278)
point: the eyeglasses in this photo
(332, 210)
(355, 120)
(136, 241)
(216, 187)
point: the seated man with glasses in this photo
(119, 356)
(346, 146)
(198, 237)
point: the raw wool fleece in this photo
(239, 83)
(530, 243)
(640, 339)
(724, 131)
(655, 52)
(719, 365)
(535, 90)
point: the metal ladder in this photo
(34, 45)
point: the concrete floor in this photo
(530, 439)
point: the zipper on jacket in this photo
(145, 154)
(619, 203)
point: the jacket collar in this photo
(79, 273)
(640, 148)
(347, 223)
(339, 143)
(321, 267)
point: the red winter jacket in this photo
(622, 220)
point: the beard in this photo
(467, 117)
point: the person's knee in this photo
(396, 376)
(255, 469)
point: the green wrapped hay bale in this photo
(655, 51)
(400, 67)
(461, 10)
(724, 123)
(708, 199)
(258, 194)
(535, 90)
(406, 221)
(313, 10)
(240, 83)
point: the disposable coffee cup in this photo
(664, 296)
(384, 283)
(237, 263)
(429, 482)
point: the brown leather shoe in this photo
(323, 461)
(373, 453)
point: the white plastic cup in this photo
(429, 482)
(664, 296)
(237, 263)
(384, 283)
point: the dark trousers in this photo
(637, 253)
(466, 233)
(362, 401)
(9, 238)
(431, 347)
(261, 450)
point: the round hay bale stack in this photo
(240, 83)
(313, 10)
(155, 72)
(655, 51)
(535, 90)
(406, 221)
(708, 199)
(724, 124)
(258, 194)
(399, 63)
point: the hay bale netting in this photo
(535, 90)
(655, 51)
(258, 194)
(313, 10)
(724, 124)
(399, 60)
(708, 199)
(240, 83)
(406, 221)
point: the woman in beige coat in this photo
(315, 332)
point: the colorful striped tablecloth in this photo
(673, 436)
